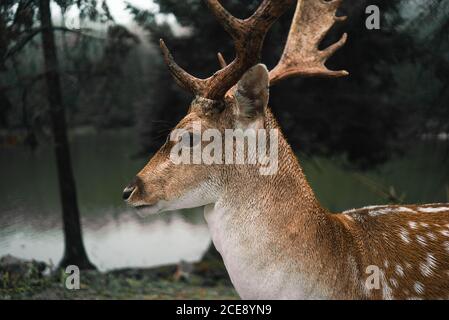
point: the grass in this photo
(140, 284)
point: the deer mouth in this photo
(147, 209)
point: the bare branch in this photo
(30, 34)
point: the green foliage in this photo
(19, 278)
(96, 89)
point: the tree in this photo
(367, 117)
(16, 22)
(74, 254)
(19, 43)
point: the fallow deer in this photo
(276, 240)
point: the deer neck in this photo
(269, 230)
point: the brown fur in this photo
(336, 248)
(277, 225)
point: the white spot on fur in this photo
(394, 282)
(412, 225)
(421, 240)
(399, 270)
(424, 225)
(372, 207)
(431, 236)
(369, 208)
(446, 245)
(444, 233)
(414, 298)
(404, 235)
(377, 211)
(428, 267)
(386, 264)
(380, 212)
(433, 210)
(419, 287)
(425, 269)
(431, 260)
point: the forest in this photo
(86, 100)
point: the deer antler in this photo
(248, 36)
(301, 57)
(221, 60)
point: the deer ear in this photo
(252, 93)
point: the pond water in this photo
(115, 237)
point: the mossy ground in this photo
(157, 283)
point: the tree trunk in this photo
(5, 106)
(75, 253)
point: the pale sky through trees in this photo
(121, 15)
(117, 8)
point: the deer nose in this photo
(128, 191)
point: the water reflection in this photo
(113, 242)
(115, 236)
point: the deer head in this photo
(235, 97)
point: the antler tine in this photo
(248, 36)
(182, 77)
(301, 56)
(267, 13)
(231, 24)
(221, 60)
